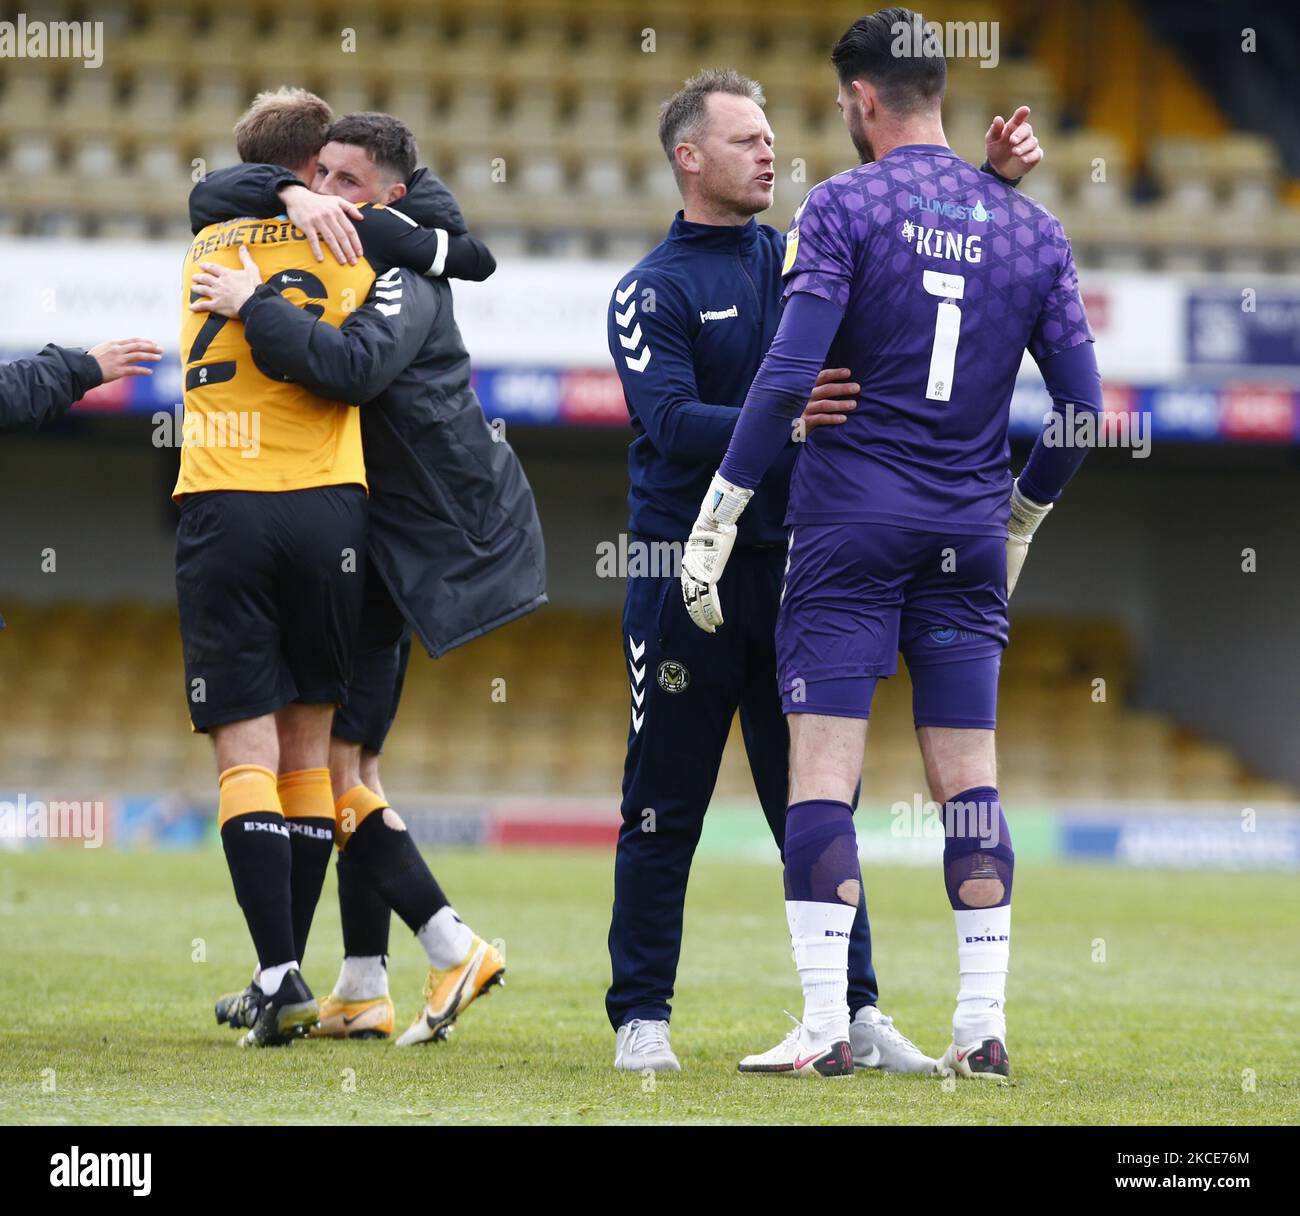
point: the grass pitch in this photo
(1135, 997)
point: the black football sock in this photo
(256, 845)
(257, 851)
(396, 870)
(363, 910)
(308, 804)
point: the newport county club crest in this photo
(672, 676)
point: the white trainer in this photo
(642, 1044)
(799, 1055)
(984, 1060)
(877, 1044)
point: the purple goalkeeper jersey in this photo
(946, 277)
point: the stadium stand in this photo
(102, 710)
(533, 108)
(541, 115)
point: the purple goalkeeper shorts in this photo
(856, 595)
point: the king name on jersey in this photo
(940, 243)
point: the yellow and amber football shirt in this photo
(245, 426)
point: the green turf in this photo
(1198, 994)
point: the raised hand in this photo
(1011, 145)
(121, 357)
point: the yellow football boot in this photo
(368, 1019)
(447, 994)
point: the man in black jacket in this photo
(455, 547)
(40, 389)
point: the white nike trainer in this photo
(877, 1044)
(643, 1044)
(984, 1060)
(800, 1055)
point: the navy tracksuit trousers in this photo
(686, 686)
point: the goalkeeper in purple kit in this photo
(928, 280)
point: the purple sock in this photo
(978, 862)
(821, 853)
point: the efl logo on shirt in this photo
(791, 250)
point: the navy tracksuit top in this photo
(688, 326)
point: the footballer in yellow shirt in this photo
(270, 560)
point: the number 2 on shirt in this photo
(947, 329)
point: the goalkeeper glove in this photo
(1025, 518)
(707, 549)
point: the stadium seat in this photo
(153, 107)
(166, 27)
(90, 105)
(28, 101)
(229, 40)
(347, 91)
(417, 103)
(473, 116)
(295, 44)
(219, 99)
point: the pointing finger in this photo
(1022, 112)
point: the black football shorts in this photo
(378, 671)
(270, 587)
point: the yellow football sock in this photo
(351, 809)
(246, 788)
(306, 794)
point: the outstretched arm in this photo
(37, 390)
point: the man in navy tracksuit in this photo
(688, 327)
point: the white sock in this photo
(982, 996)
(446, 939)
(362, 977)
(271, 976)
(819, 936)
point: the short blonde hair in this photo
(684, 116)
(285, 127)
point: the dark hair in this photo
(683, 115)
(283, 127)
(388, 140)
(892, 50)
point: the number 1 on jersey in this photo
(947, 329)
